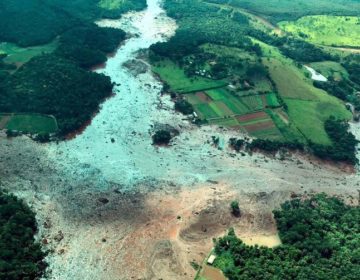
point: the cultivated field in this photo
(18, 55)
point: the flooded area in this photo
(110, 205)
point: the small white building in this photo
(211, 259)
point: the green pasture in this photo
(309, 117)
(176, 78)
(17, 54)
(326, 30)
(30, 123)
(291, 81)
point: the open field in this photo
(18, 55)
(290, 81)
(326, 30)
(309, 117)
(175, 77)
(28, 123)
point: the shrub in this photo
(184, 107)
(162, 137)
(235, 209)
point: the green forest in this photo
(21, 256)
(320, 240)
(58, 84)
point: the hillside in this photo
(248, 77)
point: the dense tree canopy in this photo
(320, 240)
(20, 256)
(52, 85)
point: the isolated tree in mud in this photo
(162, 137)
(235, 209)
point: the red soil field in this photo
(252, 116)
(203, 97)
(259, 126)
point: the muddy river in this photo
(110, 205)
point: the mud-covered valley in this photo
(110, 205)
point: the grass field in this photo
(309, 117)
(28, 123)
(271, 100)
(20, 55)
(175, 77)
(326, 30)
(290, 81)
(308, 107)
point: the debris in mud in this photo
(103, 200)
(136, 67)
(59, 236)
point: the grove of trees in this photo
(320, 240)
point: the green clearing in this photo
(233, 52)
(111, 4)
(176, 78)
(290, 81)
(32, 123)
(309, 117)
(330, 69)
(16, 54)
(326, 30)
